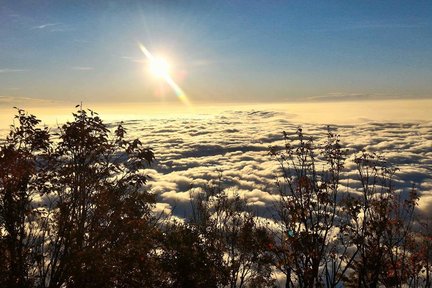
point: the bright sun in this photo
(159, 67)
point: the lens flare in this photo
(160, 68)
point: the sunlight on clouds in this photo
(193, 149)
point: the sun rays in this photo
(161, 68)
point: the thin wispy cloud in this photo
(344, 96)
(53, 27)
(82, 68)
(9, 101)
(44, 26)
(12, 70)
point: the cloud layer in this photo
(234, 146)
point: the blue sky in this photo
(220, 51)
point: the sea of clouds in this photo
(194, 151)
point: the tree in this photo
(225, 222)
(94, 214)
(21, 178)
(381, 226)
(308, 209)
(324, 239)
(190, 259)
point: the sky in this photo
(218, 51)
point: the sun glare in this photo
(159, 67)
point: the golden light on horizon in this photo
(161, 68)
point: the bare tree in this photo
(227, 223)
(308, 210)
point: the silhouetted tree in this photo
(381, 227)
(308, 210)
(21, 179)
(226, 222)
(190, 260)
(363, 240)
(420, 260)
(93, 214)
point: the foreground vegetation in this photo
(74, 212)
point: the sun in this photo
(159, 67)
